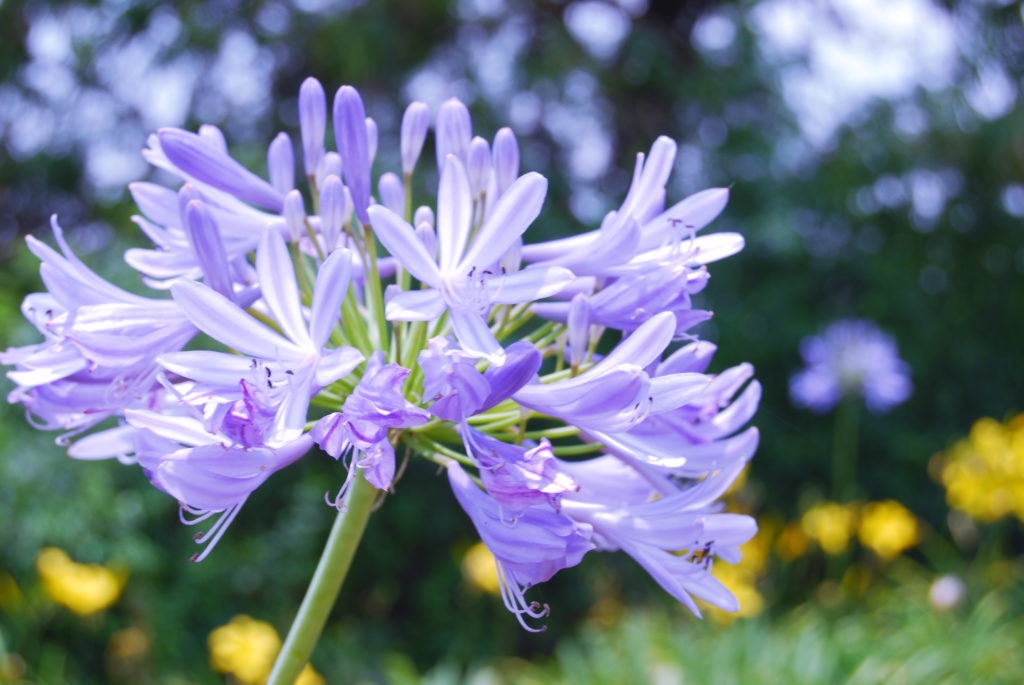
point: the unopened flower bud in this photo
(505, 159)
(371, 138)
(313, 122)
(350, 129)
(333, 208)
(452, 131)
(295, 214)
(415, 123)
(392, 193)
(423, 215)
(281, 163)
(330, 165)
(478, 166)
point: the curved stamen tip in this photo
(194, 558)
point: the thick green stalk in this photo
(844, 452)
(323, 589)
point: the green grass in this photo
(891, 636)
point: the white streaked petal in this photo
(291, 415)
(328, 293)
(528, 285)
(711, 248)
(651, 181)
(222, 320)
(476, 337)
(415, 305)
(114, 442)
(642, 347)
(400, 240)
(604, 394)
(689, 214)
(512, 215)
(205, 366)
(336, 364)
(279, 288)
(454, 213)
(675, 390)
(158, 203)
(183, 429)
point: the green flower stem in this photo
(323, 589)
(844, 451)
(355, 324)
(374, 294)
(585, 448)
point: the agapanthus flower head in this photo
(461, 343)
(851, 357)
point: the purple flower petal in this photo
(207, 367)
(522, 362)
(415, 305)
(528, 285)
(512, 215)
(198, 159)
(331, 286)
(400, 240)
(454, 213)
(475, 336)
(280, 290)
(222, 320)
(208, 246)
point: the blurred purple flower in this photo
(852, 357)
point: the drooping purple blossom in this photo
(851, 357)
(530, 550)
(376, 405)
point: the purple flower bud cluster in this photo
(558, 382)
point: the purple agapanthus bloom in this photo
(852, 357)
(446, 347)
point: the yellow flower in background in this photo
(479, 568)
(83, 588)
(830, 524)
(887, 528)
(309, 677)
(984, 473)
(792, 541)
(246, 648)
